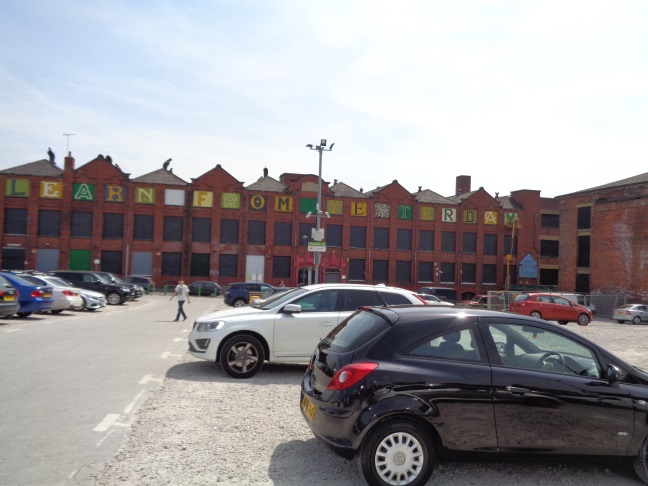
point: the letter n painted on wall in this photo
(83, 192)
(144, 195)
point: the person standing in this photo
(182, 292)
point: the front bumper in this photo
(204, 345)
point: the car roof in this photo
(354, 286)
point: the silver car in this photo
(637, 313)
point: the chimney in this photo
(69, 163)
(463, 185)
(265, 172)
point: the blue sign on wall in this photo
(528, 267)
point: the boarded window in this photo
(199, 265)
(381, 270)
(358, 237)
(143, 227)
(447, 272)
(334, 235)
(172, 228)
(490, 244)
(111, 261)
(256, 233)
(49, 223)
(228, 265)
(550, 221)
(469, 243)
(489, 273)
(404, 239)
(449, 241)
(583, 251)
(404, 272)
(282, 233)
(229, 229)
(381, 238)
(425, 271)
(426, 240)
(281, 267)
(171, 264)
(113, 226)
(549, 248)
(15, 221)
(468, 273)
(584, 218)
(201, 230)
(357, 269)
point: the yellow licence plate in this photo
(47, 295)
(308, 408)
(9, 297)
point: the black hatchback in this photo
(399, 386)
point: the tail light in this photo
(37, 293)
(350, 375)
(69, 293)
(425, 302)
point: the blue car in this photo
(32, 298)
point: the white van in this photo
(580, 299)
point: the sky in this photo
(549, 95)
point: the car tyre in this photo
(397, 453)
(57, 311)
(620, 321)
(583, 320)
(23, 314)
(536, 315)
(114, 298)
(636, 320)
(641, 462)
(564, 323)
(239, 303)
(242, 356)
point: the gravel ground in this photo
(203, 427)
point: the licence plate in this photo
(308, 408)
(9, 297)
(47, 295)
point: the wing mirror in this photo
(292, 309)
(613, 373)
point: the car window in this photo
(21, 281)
(4, 282)
(543, 298)
(323, 301)
(561, 301)
(533, 348)
(354, 298)
(521, 298)
(393, 298)
(453, 344)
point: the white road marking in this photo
(131, 405)
(179, 339)
(148, 378)
(12, 330)
(104, 438)
(166, 354)
(109, 421)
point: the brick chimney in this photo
(69, 163)
(463, 185)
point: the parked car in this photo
(9, 304)
(580, 299)
(203, 287)
(238, 293)
(433, 300)
(443, 293)
(285, 327)
(111, 277)
(66, 297)
(396, 387)
(269, 293)
(145, 281)
(91, 300)
(115, 293)
(32, 297)
(636, 313)
(477, 301)
(550, 307)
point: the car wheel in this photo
(636, 320)
(536, 315)
(397, 453)
(563, 322)
(583, 320)
(641, 462)
(57, 311)
(113, 298)
(23, 314)
(620, 321)
(239, 303)
(242, 356)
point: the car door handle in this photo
(516, 390)
(326, 324)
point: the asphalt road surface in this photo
(71, 383)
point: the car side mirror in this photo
(292, 309)
(613, 373)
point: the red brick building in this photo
(218, 228)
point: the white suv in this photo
(284, 328)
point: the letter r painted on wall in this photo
(449, 215)
(230, 200)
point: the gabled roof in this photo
(507, 202)
(461, 197)
(43, 168)
(638, 179)
(160, 176)
(431, 197)
(267, 184)
(340, 189)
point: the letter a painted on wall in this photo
(83, 192)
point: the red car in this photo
(550, 308)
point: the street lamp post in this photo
(318, 237)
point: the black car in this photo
(204, 287)
(398, 387)
(9, 303)
(138, 290)
(115, 293)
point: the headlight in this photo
(128, 290)
(209, 326)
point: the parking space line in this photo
(108, 421)
(148, 378)
(131, 405)
(166, 354)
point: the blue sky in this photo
(547, 95)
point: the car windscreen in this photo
(281, 298)
(22, 281)
(355, 331)
(34, 280)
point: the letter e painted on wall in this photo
(427, 213)
(359, 208)
(51, 190)
(144, 195)
(284, 204)
(203, 199)
(449, 215)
